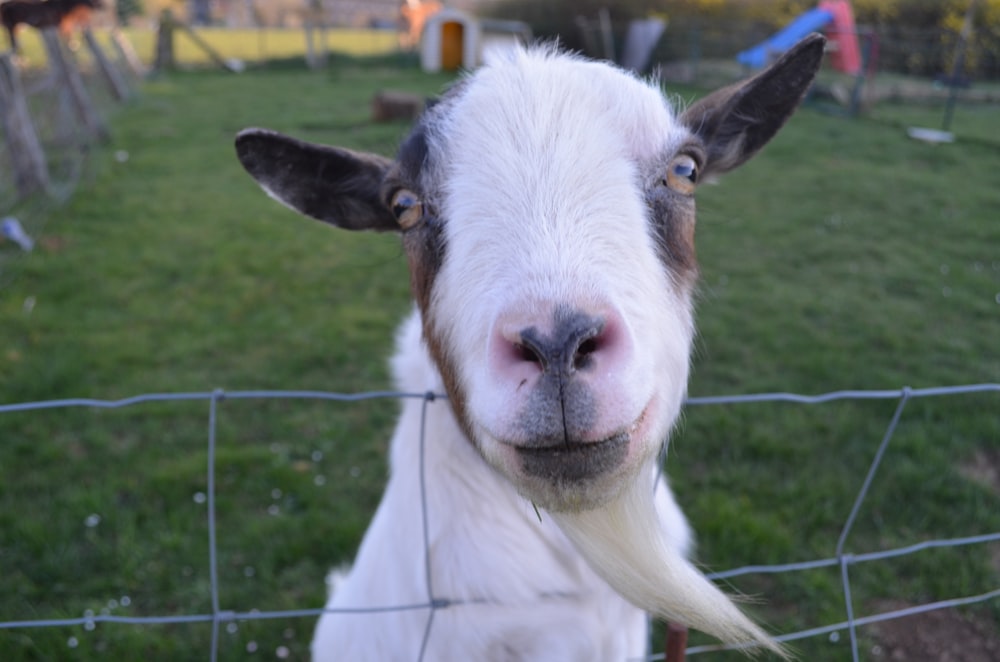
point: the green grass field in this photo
(845, 256)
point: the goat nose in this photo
(568, 349)
(569, 344)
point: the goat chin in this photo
(624, 543)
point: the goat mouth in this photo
(574, 461)
(565, 462)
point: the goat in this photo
(66, 14)
(546, 210)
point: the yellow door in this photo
(452, 36)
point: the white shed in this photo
(450, 41)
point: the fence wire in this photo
(65, 139)
(842, 559)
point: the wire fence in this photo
(841, 558)
(53, 112)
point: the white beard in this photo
(624, 542)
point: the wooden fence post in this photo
(68, 76)
(126, 53)
(316, 50)
(31, 172)
(164, 60)
(165, 45)
(311, 60)
(112, 76)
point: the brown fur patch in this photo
(446, 366)
(425, 248)
(673, 221)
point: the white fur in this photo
(558, 218)
(524, 592)
(539, 169)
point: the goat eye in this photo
(682, 174)
(407, 208)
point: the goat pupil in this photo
(403, 202)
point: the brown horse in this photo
(66, 14)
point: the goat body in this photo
(66, 14)
(517, 588)
(546, 209)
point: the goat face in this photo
(562, 336)
(546, 209)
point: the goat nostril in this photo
(527, 354)
(588, 346)
(577, 343)
(582, 358)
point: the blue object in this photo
(11, 228)
(760, 55)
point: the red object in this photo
(846, 54)
(677, 637)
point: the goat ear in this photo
(736, 121)
(330, 184)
